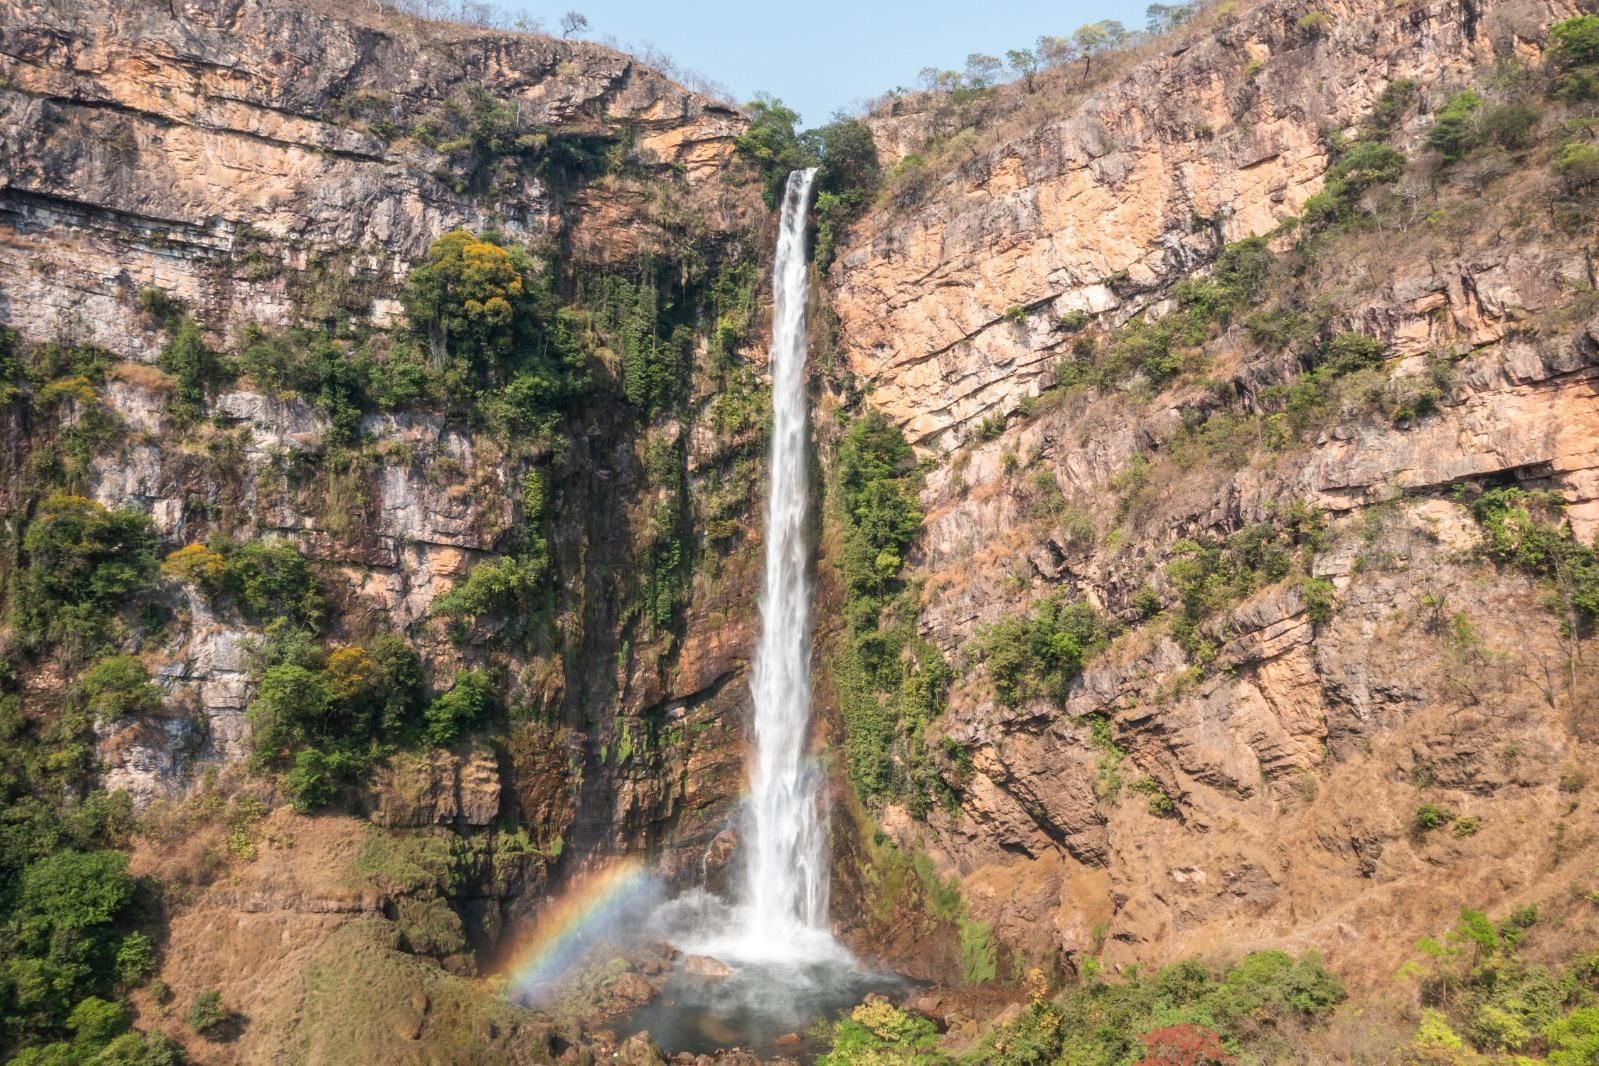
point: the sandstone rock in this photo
(437, 788)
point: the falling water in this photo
(784, 911)
(787, 970)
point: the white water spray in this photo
(784, 906)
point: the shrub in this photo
(1574, 1039)
(1510, 126)
(187, 358)
(771, 144)
(484, 309)
(1430, 816)
(207, 1012)
(1578, 164)
(1349, 352)
(268, 579)
(196, 564)
(1575, 56)
(312, 783)
(469, 701)
(1364, 164)
(1314, 22)
(1039, 655)
(979, 951)
(96, 1022)
(118, 687)
(1528, 530)
(1391, 106)
(290, 703)
(879, 1032)
(1320, 598)
(1186, 1044)
(496, 587)
(1454, 132)
(135, 959)
(82, 564)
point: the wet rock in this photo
(630, 990)
(705, 966)
(638, 1050)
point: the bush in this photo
(1364, 164)
(207, 1012)
(1430, 816)
(1183, 1010)
(118, 687)
(879, 1032)
(1320, 598)
(1186, 1044)
(1209, 575)
(1510, 126)
(135, 959)
(1528, 530)
(82, 563)
(1039, 655)
(96, 1022)
(1575, 57)
(466, 705)
(1454, 132)
(1578, 164)
(290, 703)
(493, 588)
(187, 358)
(268, 579)
(772, 145)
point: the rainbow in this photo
(594, 902)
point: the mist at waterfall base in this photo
(781, 969)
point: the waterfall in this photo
(784, 905)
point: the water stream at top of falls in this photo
(783, 912)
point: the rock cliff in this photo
(1242, 771)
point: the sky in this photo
(826, 55)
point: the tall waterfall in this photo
(784, 905)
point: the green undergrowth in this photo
(1483, 1002)
(1251, 1011)
(891, 683)
(1039, 654)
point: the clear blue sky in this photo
(824, 55)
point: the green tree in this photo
(82, 563)
(291, 704)
(207, 1012)
(118, 686)
(1023, 63)
(468, 703)
(470, 298)
(772, 144)
(96, 1022)
(1454, 131)
(1575, 57)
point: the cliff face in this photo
(1100, 197)
(200, 153)
(1166, 356)
(273, 171)
(1242, 769)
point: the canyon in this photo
(1204, 624)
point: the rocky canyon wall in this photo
(1247, 773)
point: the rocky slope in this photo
(1255, 782)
